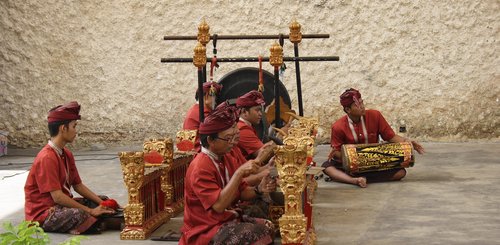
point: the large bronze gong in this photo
(243, 80)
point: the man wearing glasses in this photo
(361, 126)
(211, 190)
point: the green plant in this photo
(30, 233)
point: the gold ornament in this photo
(295, 34)
(276, 58)
(203, 33)
(200, 55)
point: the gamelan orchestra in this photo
(241, 169)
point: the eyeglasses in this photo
(228, 139)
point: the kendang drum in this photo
(362, 158)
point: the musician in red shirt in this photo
(192, 119)
(48, 197)
(361, 126)
(251, 105)
(210, 192)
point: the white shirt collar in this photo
(246, 122)
(55, 147)
(210, 153)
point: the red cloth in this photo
(48, 173)
(110, 203)
(252, 98)
(249, 141)
(69, 111)
(375, 125)
(202, 187)
(233, 160)
(192, 119)
(153, 157)
(349, 96)
(220, 119)
(207, 85)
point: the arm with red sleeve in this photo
(337, 139)
(48, 180)
(234, 188)
(249, 143)
(384, 128)
(388, 134)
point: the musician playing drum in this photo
(361, 126)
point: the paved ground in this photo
(451, 196)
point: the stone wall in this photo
(430, 65)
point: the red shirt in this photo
(375, 125)
(48, 173)
(192, 121)
(233, 160)
(202, 186)
(249, 141)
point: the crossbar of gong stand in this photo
(246, 37)
(252, 59)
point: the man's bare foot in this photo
(361, 181)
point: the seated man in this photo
(210, 191)
(361, 126)
(251, 105)
(48, 197)
(192, 121)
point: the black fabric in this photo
(371, 177)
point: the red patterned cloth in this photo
(252, 98)
(349, 96)
(66, 112)
(208, 85)
(222, 118)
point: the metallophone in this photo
(155, 183)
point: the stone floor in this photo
(451, 196)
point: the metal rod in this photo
(277, 121)
(205, 73)
(200, 94)
(252, 59)
(247, 37)
(297, 76)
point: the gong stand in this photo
(276, 59)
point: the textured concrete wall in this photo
(431, 65)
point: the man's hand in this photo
(265, 152)
(331, 155)
(267, 184)
(96, 212)
(419, 148)
(248, 168)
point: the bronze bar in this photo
(247, 37)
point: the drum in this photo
(362, 158)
